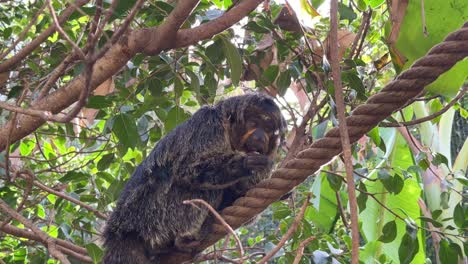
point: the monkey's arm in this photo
(223, 171)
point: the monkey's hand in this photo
(257, 162)
(223, 171)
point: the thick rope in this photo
(378, 107)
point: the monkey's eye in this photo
(265, 118)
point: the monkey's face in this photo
(261, 132)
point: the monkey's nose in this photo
(257, 142)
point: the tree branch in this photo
(44, 237)
(289, 233)
(186, 37)
(344, 135)
(117, 57)
(64, 246)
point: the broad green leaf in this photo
(375, 136)
(271, 73)
(283, 82)
(439, 159)
(234, 60)
(374, 216)
(374, 3)
(255, 27)
(324, 209)
(175, 116)
(447, 254)
(442, 17)
(408, 249)
(125, 130)
(346, 12)
(94, 252)
(105, 161)
(194, 81)
(389, 232)
(459, 216)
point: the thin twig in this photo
(429, 117)
(300, 249)
(62, 32)
(25, 174)
(23, 34)
(289, 233)
(45, 238)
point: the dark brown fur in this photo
(216, 155)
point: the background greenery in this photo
(412, 201)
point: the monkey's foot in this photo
(187, 243)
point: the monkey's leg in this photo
(126, 250)
(186, 242)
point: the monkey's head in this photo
(254, 123)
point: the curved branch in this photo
(186, 37)
(429, 117)
(47, 240)
(63, 245)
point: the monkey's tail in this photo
(128, 249)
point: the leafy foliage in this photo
(64, 177)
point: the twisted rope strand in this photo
(379, 106)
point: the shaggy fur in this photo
(201, 158)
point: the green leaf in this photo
(408, 248)
(459, 215)
(432, 221)
(178, 87)
(234, 60)
(253, 26)
(374, 3)
(26, 147)
(271, 73)
(284, 81)
(444, 200)
(99, 102)
(436, 213)
(123, 7)
(94, 252)
(346, 12)
(389, 232)
(75, 176)
(398, 184)
(194, 81)
(353, 80)
(447, 254)
(334, 181)
(362, 197)
(212, 52)
(375, 136)
(175, 116)
(125, 130)
(439, 159)
(105, 161)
